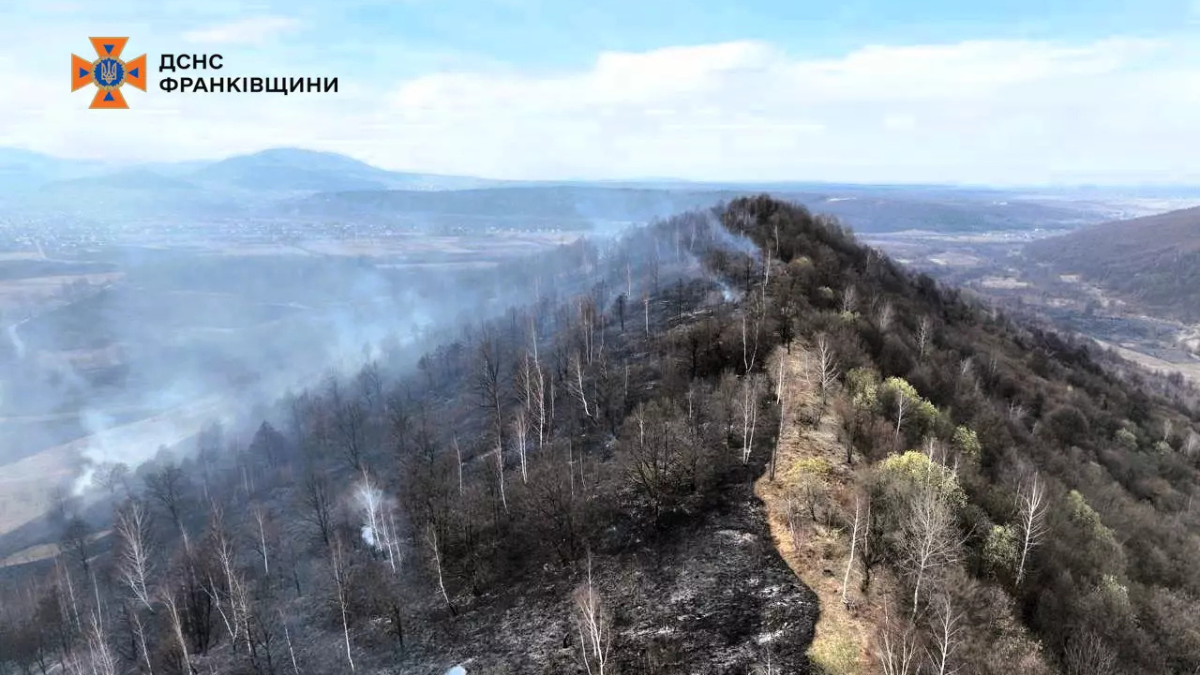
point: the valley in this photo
(1011, 269)
(113, 353)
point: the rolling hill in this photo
(1153, 262)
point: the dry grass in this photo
(817, 551)
(32, 290)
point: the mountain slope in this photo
(574, 480)
(1153, 261)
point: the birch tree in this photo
(1031, 502)
(898, 647)
(780, 392)
(827, 365)
(261, 516)
(884, 316)
(593, 624)
(100, 655)
(748, 405)
(176, 627)
(849, 299)
(853, 545)
(499, 453)
(435, 550)
(577, 385)
(646, 310)
(337, 568)
(929, 542)
(945, 633)
(520, 432)
(133, 562)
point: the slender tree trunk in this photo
(853, 545)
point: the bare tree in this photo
(929, 540)
(520, 435)
(133, 563)
(261, 515)
(751, 391)
(349, 425)
(1031, 509)
(902, 406)
(587, 326)
(853, 545)
(945, 629)
(337, 568)
(531, 389)
(102, 660)
(750, 337)
(139, 632)
(646, 310)
(234, 589)
(1088, 654)
(884, 316)
(576, 384)
(827, 365)
(319, 503)
(435, 550)
(849, 299)
(458, 457)
(898, 647)
(287, 635)
(176, 625)
(923, 333)
(379, 527)
(113, 476)
(594, 625)
(168, 486)
(780, 392)
(487, 383)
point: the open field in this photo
(1189, 369)
(30, 292)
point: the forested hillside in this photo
(602, 480)
(1152, 261)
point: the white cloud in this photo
(982, 111)
(244, 31)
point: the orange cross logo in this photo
(108, 72)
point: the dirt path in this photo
(812, 475)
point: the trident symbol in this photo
(108, 71)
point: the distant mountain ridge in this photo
(293, 170)
(1154, 260)
(286, 183)
(279, 170)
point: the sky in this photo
(1016, 92)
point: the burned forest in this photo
(732, 441)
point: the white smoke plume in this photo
(379, 520)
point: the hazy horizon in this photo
(524, 89)
(120, 164)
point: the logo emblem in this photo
(108, 72)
